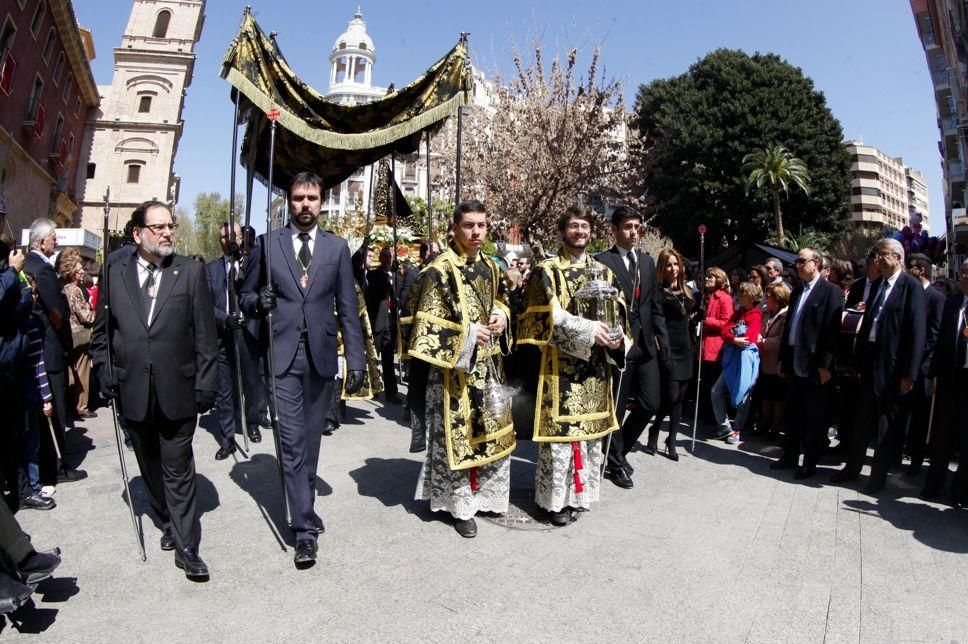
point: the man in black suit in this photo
(918, 411)
(807, 350)
(949, 371)
(890, 347)
(57, 347)
(311, 280)
(164, 371)
(228, 321)
(861, 288)
(635, 272)
(255, 385)
(381, 306)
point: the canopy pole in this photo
(430, 198)
(460, 123)
(232, 293)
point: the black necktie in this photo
(305, 255)
(148, 290)
(631, 257)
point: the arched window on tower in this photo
(161, 24)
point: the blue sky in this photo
(863, 54)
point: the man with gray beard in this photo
(164, 369)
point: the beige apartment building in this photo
(884, 191)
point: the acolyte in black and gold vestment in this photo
(466, 469)
(574, 407)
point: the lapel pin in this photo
(174, 272)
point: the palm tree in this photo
(775, 168)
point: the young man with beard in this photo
(311, 281)
(164, 371)
(459, 312)
(573, 407)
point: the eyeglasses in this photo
(803, 260)
(160, 228)
(577, 226)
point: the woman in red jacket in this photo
(742, 330)
(719, 308)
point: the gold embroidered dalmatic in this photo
(450, 294)
(574, 396)
(372, 380)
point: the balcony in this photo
(7, 67)
(948, 123)
(34, 118)
(929, 40)
(58, 154)
(956, 171)
(940, 78)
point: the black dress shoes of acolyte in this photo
(167, 540)
(225, 451)
(188, 560)
(255, 436)
(466, 528)
(620, 477)
(13, 594)
(560, 518)
(305, 556)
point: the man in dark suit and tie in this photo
(635, 272)
(889, 347)
(58, 344)
(949, 372)
(919, 409)
(381, 306)
(807, 350)
(229, 321)
(312, 278)
(164, 371)
(860, 289)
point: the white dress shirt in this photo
(624, 254)
(297, 244)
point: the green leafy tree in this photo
(703, 123)
(775, 169)
(211, 211)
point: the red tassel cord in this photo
(576, 452)
(475, 486)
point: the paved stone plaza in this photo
(716, 547)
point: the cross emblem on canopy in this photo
(273, 114)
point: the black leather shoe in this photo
(70, 475)
(620, 478)
(561, 518)
(189, 561)
(305, 556)
(959, 504)
(255, 436)
(329, 428)
(650, 449)
(37, 501)
(628, 468)
(265, 423)
(167, 540)
(13, 594)
(873, 487)
(671, 452)
(225, 451)
(38, 566)
(804, 473)
(781, 464)
(466, 528)
(843, 476)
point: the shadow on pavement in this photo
(29, 619)
(938, 528)
(391, 481)
(259, 478)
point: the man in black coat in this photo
(860, 289)
(949, 371)
(381, 306)
(890, 346)
(310, 282)
(164, 369)
(57, 347)
(919, 409)
(230, 323)
(807, 350)
(635, 272)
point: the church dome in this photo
(355, 36)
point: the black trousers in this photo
(58, 421)
(13, 541)
(388, 347)
(915, 417)
(950, 435)
(877, 415)
(303, 397)
(163, 447)
(11, 433)
(226, 410)
(254, 385)
(673, 393)
(641, 383)
(805, 417)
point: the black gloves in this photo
(354, 380)
(204, 400)
(665, 358)
(267, 298)
(235, 320)
(110, 387)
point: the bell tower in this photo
(351, 66)
(133, 137)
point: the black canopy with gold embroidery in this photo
(330, 139)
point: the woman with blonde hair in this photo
(679, 306)
(70, 268)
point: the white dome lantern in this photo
(351, 65)
(355, 36)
